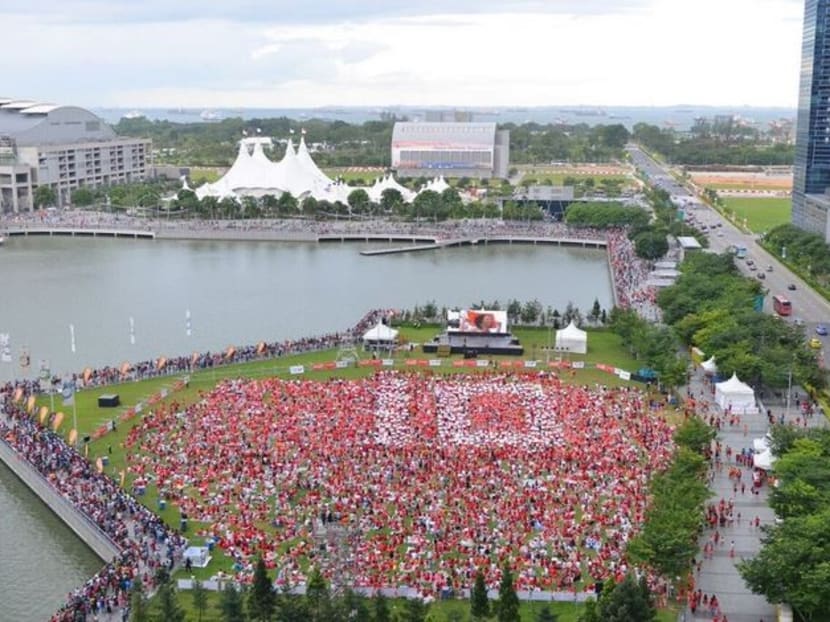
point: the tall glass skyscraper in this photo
(812, 148)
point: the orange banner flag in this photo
(194, 358)
(18, 395)
(230, 352)
(58, 420)
(30, 404)
(42, 414)
(99, 465)
(125, 368)
(87, 374)
(73, 436)
(260, 347)
(161, 363)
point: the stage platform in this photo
(475, 344)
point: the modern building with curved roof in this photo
(63, 147)
(423, 149)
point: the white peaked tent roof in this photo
(304, 158)
(439, 184)
(709, 366)
(381, 332)
(388, 182)
(572, 331)
(734, 386)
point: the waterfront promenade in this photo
(718, 573)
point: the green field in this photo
(604, 347)
(760, 214)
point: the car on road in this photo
(752, 267)
(798, 321)
(761, 275)
(815, 343)
(791, 287)
(821, 329)
(769, 268)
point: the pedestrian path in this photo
(718, 574)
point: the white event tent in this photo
(709, 366)
(735, 394)
(572, 339)
(380, 335)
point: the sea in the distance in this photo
(680, 117)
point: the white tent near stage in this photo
(735, 394)
(571, 339)
(763, 460)
(709, 366)
(381, 335)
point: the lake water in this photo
(237, 293)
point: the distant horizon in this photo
(459, 107)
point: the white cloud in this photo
(707, 52)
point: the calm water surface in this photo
(237, 293)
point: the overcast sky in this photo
(275, 53)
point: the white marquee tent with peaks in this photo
(709, 366)
(572, 339)
(735, 394)
(381, 335)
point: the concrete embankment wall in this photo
(85, 529)
(612, 276)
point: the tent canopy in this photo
(381, 332)
(709, 366)
(735, 394)
(572, 339)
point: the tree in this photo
(651, 245)
(318, 597)
(590, 613)
(626, 602)
(44, 196)
(261, 597)
(695, 434)
(546, 615)
(507, 607)
(531, 311)
(595, 310)
(359, 201)
(168, 606)
(231, 604)
(199, 595)
(479, 604)
(83, 197)
(309, 206)
(415, 610)
(380, 609)
(352, 607)
(287, 205)
(138, 602)
(391, 200)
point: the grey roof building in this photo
(63, 147)
(450, 149)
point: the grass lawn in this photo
(604, 347)
(760, 214)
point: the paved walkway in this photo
(719, 574)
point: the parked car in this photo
(761, 275)
(791, 287)
(769, 268)
(815, 343)
(821, 329)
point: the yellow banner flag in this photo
(56, 423)
(18, 395)
(123, 476)
(86, 450)
(99, 464)
(42, 414)
(30, 404)
(73, 436)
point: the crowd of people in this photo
(144, 542)
(430, 478)
(630, 275)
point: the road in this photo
(808, 306)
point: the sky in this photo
(483, 53)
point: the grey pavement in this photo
(719, 575)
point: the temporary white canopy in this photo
(380, 333)
(736, 394)
(572, 339)
(763, 460)
(709, 366)
(760, 445)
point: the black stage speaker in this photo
(108, 401)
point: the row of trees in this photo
(655, 346)
(706, 148)
(364, 144)
(606, 215)
(806, 250)
(792, 566)
(715, 308)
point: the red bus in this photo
(781, 305)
